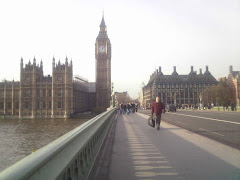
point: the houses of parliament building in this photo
(62, 94)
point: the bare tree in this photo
(217, 94)
(222, 95)
(207, 96)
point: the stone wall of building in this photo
(39, 96)
(121, 98)
(233, 82)
(84, 96)
(9, 98)
(103, 68)
(177, 89)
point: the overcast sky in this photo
(144, 34)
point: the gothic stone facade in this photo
(233, 82)
(177, 89)
(121, 98)
(103, 68)
(36, 95)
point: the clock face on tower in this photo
(102, 49)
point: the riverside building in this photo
(177, 89)
(36, 95)
(233, 82)
(103, 68)
(62, 94)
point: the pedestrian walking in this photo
(136, 107)
(124, 109)
(128, 108)
(121, 109)
(133, 107)
(157, 109)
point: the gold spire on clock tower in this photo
(103, 67)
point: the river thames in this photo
(18, 138)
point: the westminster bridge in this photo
(114, 146)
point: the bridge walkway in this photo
(142, 152)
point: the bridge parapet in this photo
(67, 158)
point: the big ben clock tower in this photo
(103, 68)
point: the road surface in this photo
(220, 126)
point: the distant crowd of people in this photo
(126, 108)
(207, 106)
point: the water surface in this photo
(18, 138)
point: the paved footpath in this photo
(142, 152)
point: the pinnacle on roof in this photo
(102, 22)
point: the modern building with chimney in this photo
(177, 89)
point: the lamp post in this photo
(112, 104)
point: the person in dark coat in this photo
(133, 107)
(136, 107)
(121, 109)
(157, 109)
(124, 109)
(128, 108)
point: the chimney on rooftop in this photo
(206, 68)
